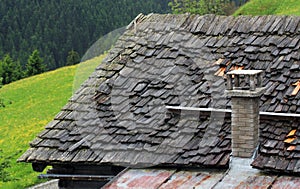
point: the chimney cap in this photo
(252, 77)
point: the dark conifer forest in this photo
(56, 28)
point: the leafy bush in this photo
(201, 6)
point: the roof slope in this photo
(279, 146)
(119, 115)
(163, 179)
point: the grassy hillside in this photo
(268, 7)
(29, 105)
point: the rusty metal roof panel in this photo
(257, 182)
(140, 178)
(164, 179)
(286, 182)
(189, 179)
(205, 179)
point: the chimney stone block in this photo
(245, 111)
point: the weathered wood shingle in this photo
(119, 114)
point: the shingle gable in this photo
(119, 115)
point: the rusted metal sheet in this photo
(140, 178)
(239, 172)
(286, 182)
(256, 182)
(173, 179)
(164, 179)
(189, 179)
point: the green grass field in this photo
(29, 105)
(270, 7)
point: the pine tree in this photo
(1, 74)
(1, 99)
(34, 64)
(72, 58)
(56, 27)
(1, 84)
(10, 70)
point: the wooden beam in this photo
(77, 177)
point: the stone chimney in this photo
(245, 88)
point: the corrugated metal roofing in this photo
(240, 176)
(140, 178)
(164, 179)
(189, 179)
(287, 183)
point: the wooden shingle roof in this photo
(119, 115)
